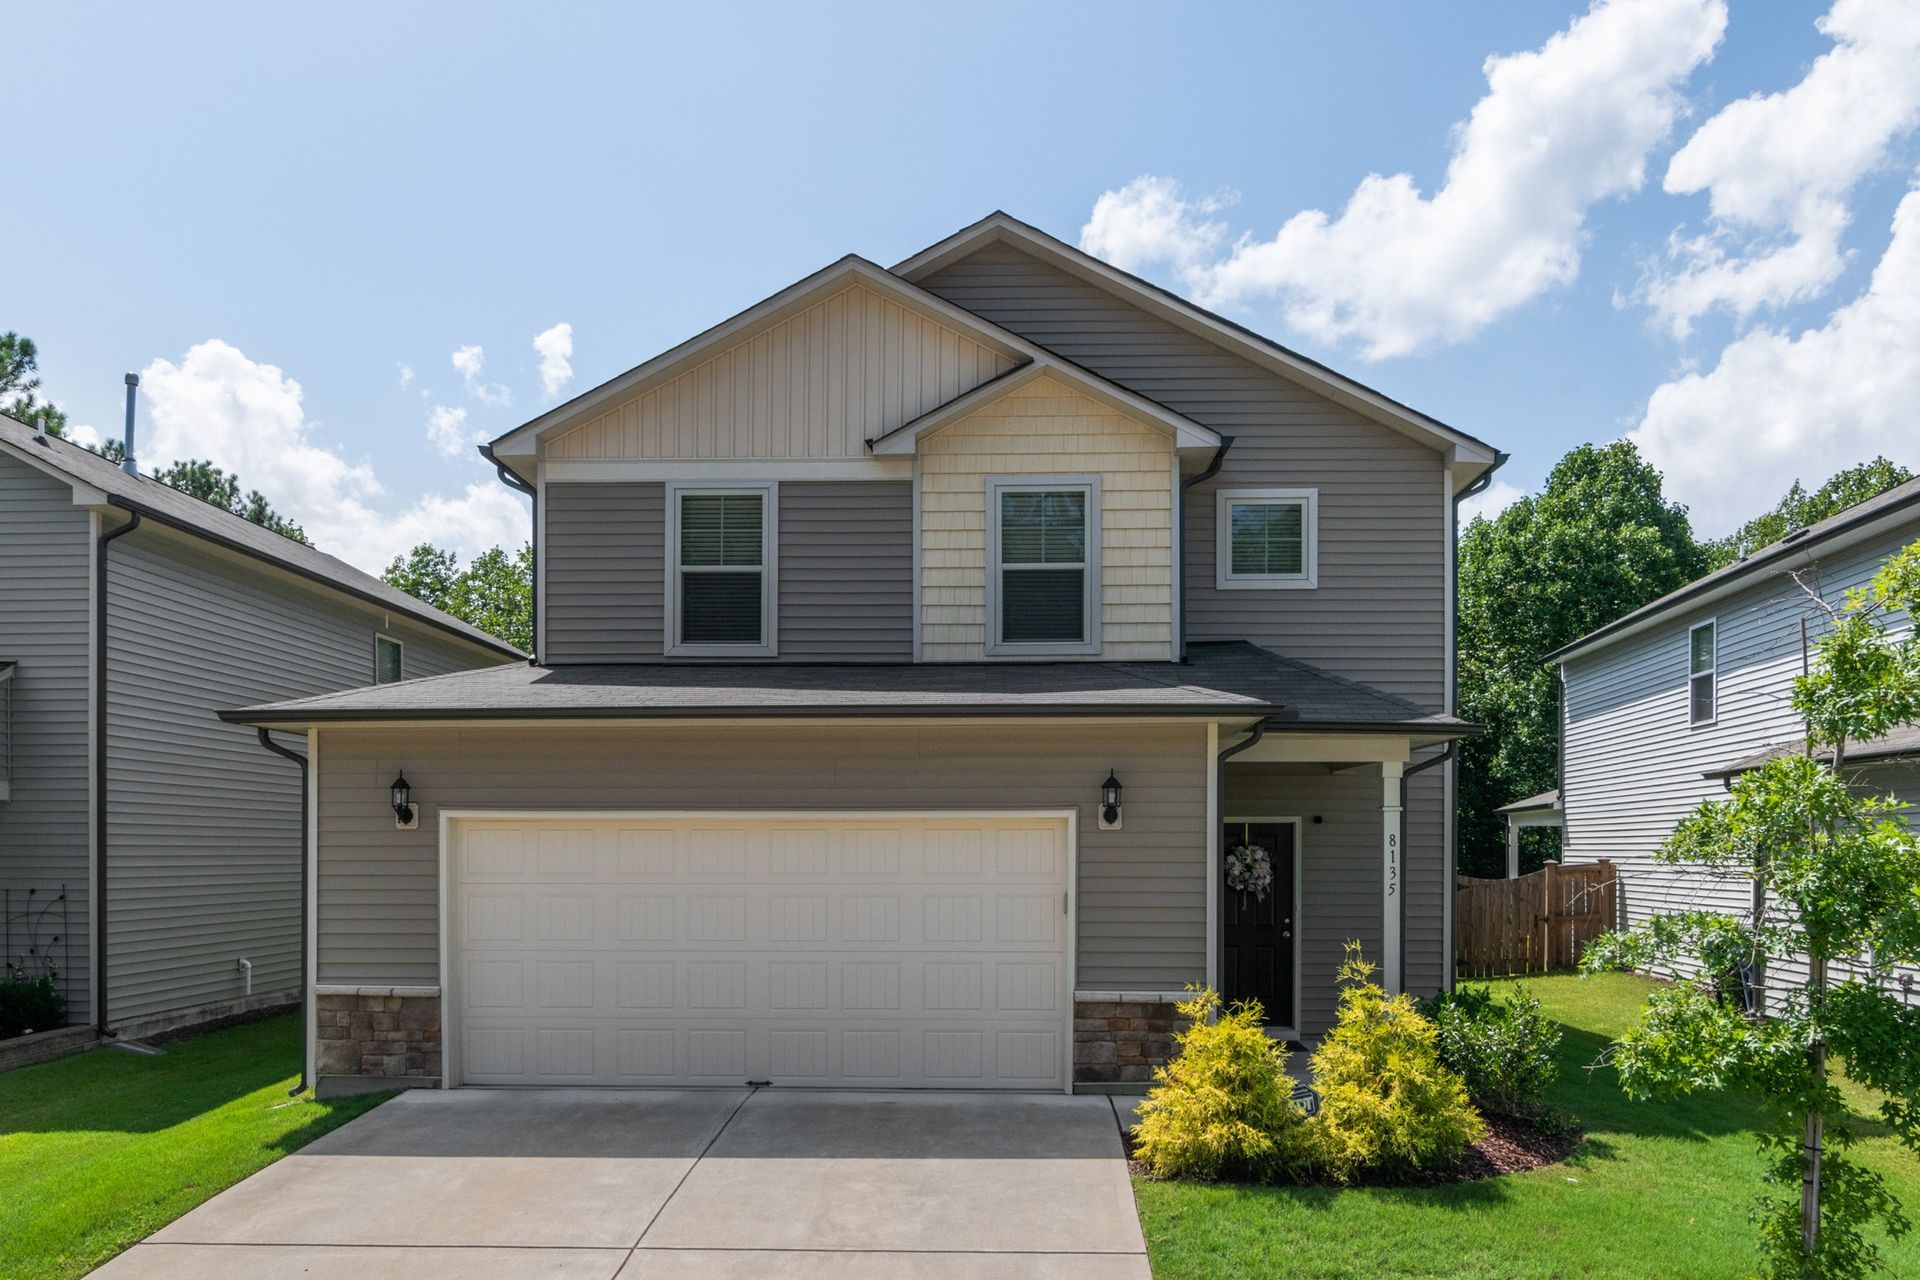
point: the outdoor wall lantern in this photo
(1110, 802)
(405, 816)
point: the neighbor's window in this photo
(1267, 538)
(723, 572)
(389, 660)
(1702, 688)
(1045, 541)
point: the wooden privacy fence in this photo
(1538, 922)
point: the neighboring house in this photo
(849, 610)
(129, 607)
(1662, 707)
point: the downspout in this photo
(1180, 539)
(100, 767)
(513, 481)
(1259, 731)
(1448, 889)
(266, 740)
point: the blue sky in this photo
(236, 199)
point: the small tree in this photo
(1840, 874)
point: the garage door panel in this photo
(818, 951)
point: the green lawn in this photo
(1657, 1190)
(99, 1150)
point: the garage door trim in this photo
(449, 1012)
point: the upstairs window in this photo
(1703, 692)
(1044, 539)
(389, 660)
(722, 590)
(1267, 539)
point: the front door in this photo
(1256, 931)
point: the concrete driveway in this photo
(652, 1185)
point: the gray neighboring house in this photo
(1662, 707)
(128, 604)
(913, 646)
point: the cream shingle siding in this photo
(1047, 428)
(818, 384)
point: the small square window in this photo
(1703, 692)
(722, 588)
(1267, 539)
(1044, 572)
(389, 660)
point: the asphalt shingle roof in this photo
(1902, 742)
(1230, 678)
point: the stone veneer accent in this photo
(1120, 1039)
(385, 1035)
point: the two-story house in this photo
(150, 854)
(1661, 708)
(913, 649)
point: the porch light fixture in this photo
(403, 811)
(1110, 801)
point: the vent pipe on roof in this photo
(127, 463)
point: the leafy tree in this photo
(19, 381)
(210, 484)
(494, 591)
(1798, 509)
(1598, 541)
(1839, 872)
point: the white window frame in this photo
(1712, 673)
(769, 643)
(1225, 579)
(1090, 567)
(380, 638)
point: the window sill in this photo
(721, 651)
(1060, 649)
(1266, 584)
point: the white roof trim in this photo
(1187, 434)
(521, 441)
(1470, 455)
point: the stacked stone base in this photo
(376, 1038)
(1119, 1039)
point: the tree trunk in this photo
(1816, 1127)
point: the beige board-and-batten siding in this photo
(1142, 889)
(1046, 427)
(818, 384)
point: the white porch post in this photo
(1513, 848)
(1391, 772)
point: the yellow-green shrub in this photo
(1220, 1109)
(1387, 1104)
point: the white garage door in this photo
(862, 952)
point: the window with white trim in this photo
(1043, 565)
(722, 590)
(1703, 690)
(1267, 539)
(389, 660)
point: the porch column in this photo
(1391, 772)
(1513, 848)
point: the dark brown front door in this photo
(1256, 934)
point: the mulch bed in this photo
(1512, 1145)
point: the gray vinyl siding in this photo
(1633, 763)
(1142, 889)
(203, 833)
(844, 583)
(45, 545)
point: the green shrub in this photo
(1387, 1104)
(1221, 1108)
(29, 1003)
(1504, 1050)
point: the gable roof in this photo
(110, 486)
(1473, 457)
(1858, 521)
(1187, 434)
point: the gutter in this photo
(1180, 536)
(306, 992)
(513, 481)
(99, 938)
(297, 718)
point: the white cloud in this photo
(447, 429)
(1779, 407)
(1490, 502)
(1560, 128)
(1778, 169)
(248, 418)
(470, 361)
(555, 346)
(82, 434)
(406, 376)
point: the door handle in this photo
(1286, 933)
